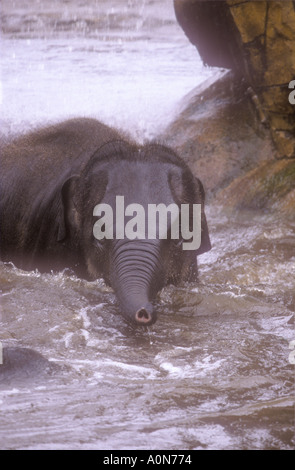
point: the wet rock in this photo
(270, 186)
(209, 26)
(234, 132)
(219, 133)
(20, 364)
(257, 41)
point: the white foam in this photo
(198, 368)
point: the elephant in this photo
(53, 178)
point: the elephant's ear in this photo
(200, 199)
(187, 189)
(68, 211)
(75, 192)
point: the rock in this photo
(249, 18)
(219, 134)
(209, 26)
(23, 364)
(222, 139)
(285, 142)
(257, 41)
(269, 186)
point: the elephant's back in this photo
(35, 165)
(48, 151)
(34, 168)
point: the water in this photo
(126, 77)
(214, 371)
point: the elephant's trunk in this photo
(136, 275)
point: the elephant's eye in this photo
(178, 242)
(99, 244)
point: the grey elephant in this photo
(54, 181)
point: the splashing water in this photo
(213, 372)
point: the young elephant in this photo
(55, 182)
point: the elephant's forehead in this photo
(139, 182)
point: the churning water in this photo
(214, 371)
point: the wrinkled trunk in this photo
(136, 274)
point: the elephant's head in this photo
(107, 211)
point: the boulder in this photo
(256, 40)
(237, 132)
(219, 134)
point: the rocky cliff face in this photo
(267, 31)
(256, 40)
